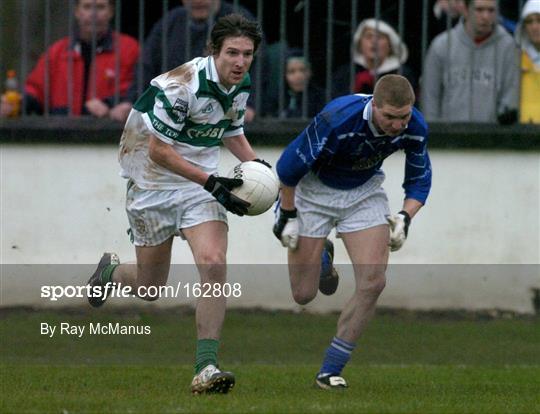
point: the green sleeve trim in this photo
(146, 101)
(163, 128)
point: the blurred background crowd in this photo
(468, 60)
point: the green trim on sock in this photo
(106, 274)
(206, 353)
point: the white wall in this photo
(468, 248)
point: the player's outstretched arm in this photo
(240, 147)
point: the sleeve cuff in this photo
(234, 132)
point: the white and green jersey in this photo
(189, 109)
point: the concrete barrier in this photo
(474, 246)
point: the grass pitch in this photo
(405, 364)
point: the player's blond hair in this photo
(393, 90)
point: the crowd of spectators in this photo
(79, 75)
(480, 66)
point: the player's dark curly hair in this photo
(233, 25)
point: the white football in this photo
(260, 187)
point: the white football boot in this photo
(211, 380)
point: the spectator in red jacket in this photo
(93, 78)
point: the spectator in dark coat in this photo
(377, 50)
(297, 80)
(186, 29)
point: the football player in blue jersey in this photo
(331, 177)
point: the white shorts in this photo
(321, 208)
(156, 215)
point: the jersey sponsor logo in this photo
(164, 129)
(194, 133)
(367, 163)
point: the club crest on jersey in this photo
(180, 109)
(208, 108)
(370, 162)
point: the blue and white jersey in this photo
(344, 149)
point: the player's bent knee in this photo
(373, 285)
(379, 284)
(213, 273)
(303, 297)
(152, 275)
(211, 259)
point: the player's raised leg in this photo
(305, 268)
(368, 250)
(329, 278)
(151, 269)
(208, 242)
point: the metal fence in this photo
(322, 32)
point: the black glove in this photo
(263, 162)
(220, 188)
(286, 228)
(407, 220)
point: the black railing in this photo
(321, 31)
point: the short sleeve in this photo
(168, 115)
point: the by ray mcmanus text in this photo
(93, 328)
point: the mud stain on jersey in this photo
(128, 140)
(231, 114)
(183, 73)
(133, 139)
(152, 172)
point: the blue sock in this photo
(336, 357)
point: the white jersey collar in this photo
(368, 116)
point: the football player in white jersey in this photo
(169, 153)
